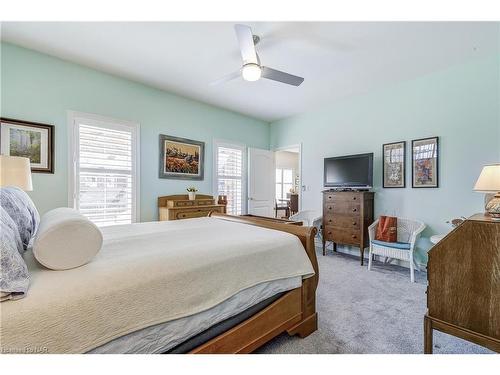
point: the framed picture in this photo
(425, 163)
(28, 139)
(394, 165)
(181, 158)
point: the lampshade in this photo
(489, 179)
(15, 171)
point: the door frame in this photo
(286, 148)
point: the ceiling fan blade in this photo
(226, 78)
(277, 75)
(245, 41)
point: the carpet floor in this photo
(363, 311)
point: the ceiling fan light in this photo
(251, 72)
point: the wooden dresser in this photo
(177, 207)
(463, 296)
(346, 218)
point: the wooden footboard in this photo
(294, 313)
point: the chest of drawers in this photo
(346, 218)
(178, 207)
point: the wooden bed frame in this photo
(294, 313)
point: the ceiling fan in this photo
(252, 70)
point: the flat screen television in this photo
(349, 172)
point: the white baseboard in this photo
(353, 250)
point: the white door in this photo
(261, 182)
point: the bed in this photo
(225, 285)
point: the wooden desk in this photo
(463, 296)
(178, 207)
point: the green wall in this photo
(460, 105)
(41, 88)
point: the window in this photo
(284, 182)
(104, 169)
(229, 175)
(425, 151)
(394, 155)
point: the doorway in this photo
(287, 181)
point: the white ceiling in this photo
(337, 59)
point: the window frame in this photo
(244, 178)
(73, 154)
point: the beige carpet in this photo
(368, 312)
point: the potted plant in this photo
(192, 193)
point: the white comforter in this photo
(145, 274)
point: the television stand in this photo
(346, 218)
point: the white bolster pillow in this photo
(66, 239)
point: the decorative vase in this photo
(493, 206)
(192, 195)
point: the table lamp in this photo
(15, 171)
(489, 182)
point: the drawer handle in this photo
(353, 198)
(354, 210)
(329, 207)
(329, 220)
(353, 223)
(329, 197)
(353, 236)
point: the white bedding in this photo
(146, 274)
(165, 336)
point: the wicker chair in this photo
(408, 232)
(309, 218)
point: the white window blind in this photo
(229, 175)
(105, 171)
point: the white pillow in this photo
(66, 239)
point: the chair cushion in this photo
(394, 245)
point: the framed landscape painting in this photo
(394, 165)
(181, 158)
(425, 162)
(28, 139)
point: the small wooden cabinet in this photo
(178, 207)
(346, 218)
